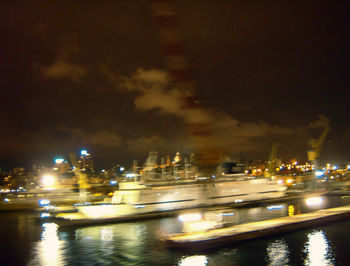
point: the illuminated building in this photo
(85, 162)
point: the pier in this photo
(234, 234)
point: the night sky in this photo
(91, 74)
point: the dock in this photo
(214, 238)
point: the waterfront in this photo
(25, 240)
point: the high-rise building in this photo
(85, 162)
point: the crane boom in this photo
(315, 145)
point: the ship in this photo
(156, 197)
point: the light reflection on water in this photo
(49, 251)
(124, 243)
(278, 253)
(318, 250)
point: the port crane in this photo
(272, 163)
(314, 150)
(315, 145)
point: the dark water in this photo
(27, 241)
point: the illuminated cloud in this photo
(62, 69)
(63, 66)
(154, 91)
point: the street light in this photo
(48, 181)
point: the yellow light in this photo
(289, 181)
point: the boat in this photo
(137, 199)
(171, 188)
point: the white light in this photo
(130, 175)
(190, 217)
(313, 201)
(275, 207)
(280, 182)
(238, 200)
(44, 202)
(193, 260)
(83, 152)
(289, 181)
(319, 173)
(59, 160)
(318, 250)
(50, 248)
(48, 180)
(121, 168)
(228, 214)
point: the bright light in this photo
(238, 200)
(228, 214)
(130, 175)
(83, 152)
(48, 180)
(121, 168)
(280, 182)
(275, 207)
(190, 217)
(113, 182)
(44, 202)
(289, 181)
(50, 249)
(319, 173)
(59, 160)
(335, 167)
(193, 260)
(44, 215)
(313, 201)
(318, 250)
